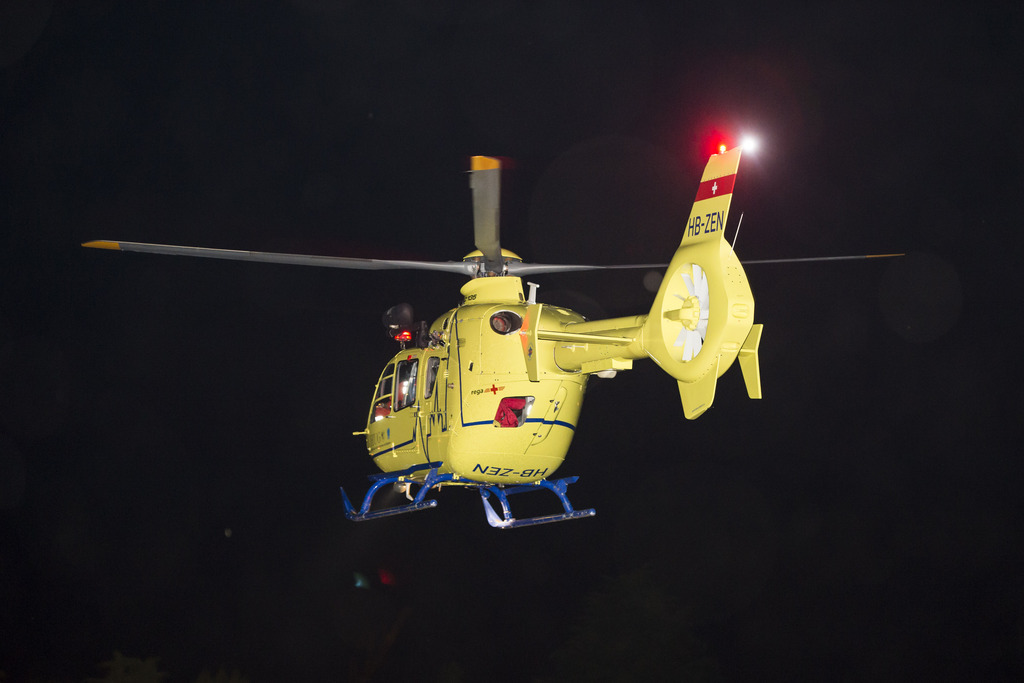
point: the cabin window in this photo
(513, 411)
(405, 383)
(382, 409)
(433, 363)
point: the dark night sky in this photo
(173, 431)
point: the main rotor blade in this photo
(819, 258)
(535, 268)
(461, 267)
(485, 180)
(516, 268)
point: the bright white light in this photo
(749, 143)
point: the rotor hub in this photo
(689, 313)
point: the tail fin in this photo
(704, 312)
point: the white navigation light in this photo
(749, 143)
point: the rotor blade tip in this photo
(102, 244)
(484, 163)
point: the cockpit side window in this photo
(405, 383)
(382, 400)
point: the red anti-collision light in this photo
(386, 576)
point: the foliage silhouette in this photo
(121, 669)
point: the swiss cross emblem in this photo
(494, 389)
(714, 188)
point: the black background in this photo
(173, 431)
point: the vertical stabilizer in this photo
(704, 310)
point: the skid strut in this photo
(434, 478)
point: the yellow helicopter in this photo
(488, 396)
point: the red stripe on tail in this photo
(716, 187)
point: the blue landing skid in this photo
(434, 478)
(382, 480)
(507, 521)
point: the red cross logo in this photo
(494, 389)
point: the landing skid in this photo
(434, 479)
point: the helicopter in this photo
(488, 396)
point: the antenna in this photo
(737, 232)
(533, 293)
